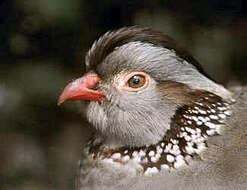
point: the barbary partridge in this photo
(161, 122)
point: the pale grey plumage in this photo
(127, 121)
(163, 65)
(223, 165)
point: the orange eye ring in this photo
(135, 81)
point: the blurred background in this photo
(42, 48)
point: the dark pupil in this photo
(136, 80)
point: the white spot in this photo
(184, 134)
(188, 158)
(126, 151)
(213, 117)
(195, 111)
(168, 147)
(159, 150)
(175, 150)
(193, 137)
(162, 144)
(202, 119)
(198, 134)
(145, 160)
(108, 160)
(187, 116)
(179, 157)
(142, 153)
(136, 158)
(187, 138)
(174, 141)
(192, 131)
(151, 171)
(200, 147)
(189, 122)
(116, 156)
(218, 129)
(151, 153)
(210, 125)
(135, 153)
(194, 118)
(154, 159)
(189, 144)
(170, 158)
(210, 132)
(198, 130)
(213, 111)
(223, 116)
(179, 163)
(190, 149)
(175, 147)
(164, 167)
(126, 158)
(202, 112)
(200, 140)
(199, 123)
(157, 156)
(187, 129)
(228, 113)
(221, 108)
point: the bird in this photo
(160, 121)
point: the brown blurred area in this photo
(42, 48)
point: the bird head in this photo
(142, 89)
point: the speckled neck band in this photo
(190, 128)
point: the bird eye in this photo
(136, 81)
(133, 81)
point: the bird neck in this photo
(190, 128)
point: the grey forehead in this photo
(157, 61)
(133, 37)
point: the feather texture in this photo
(182, 131)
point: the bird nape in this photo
(155, 111)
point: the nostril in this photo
(96, 87)
(92, 80)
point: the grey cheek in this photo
(97, 116)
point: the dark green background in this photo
(42, 48)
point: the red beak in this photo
(81, 89)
